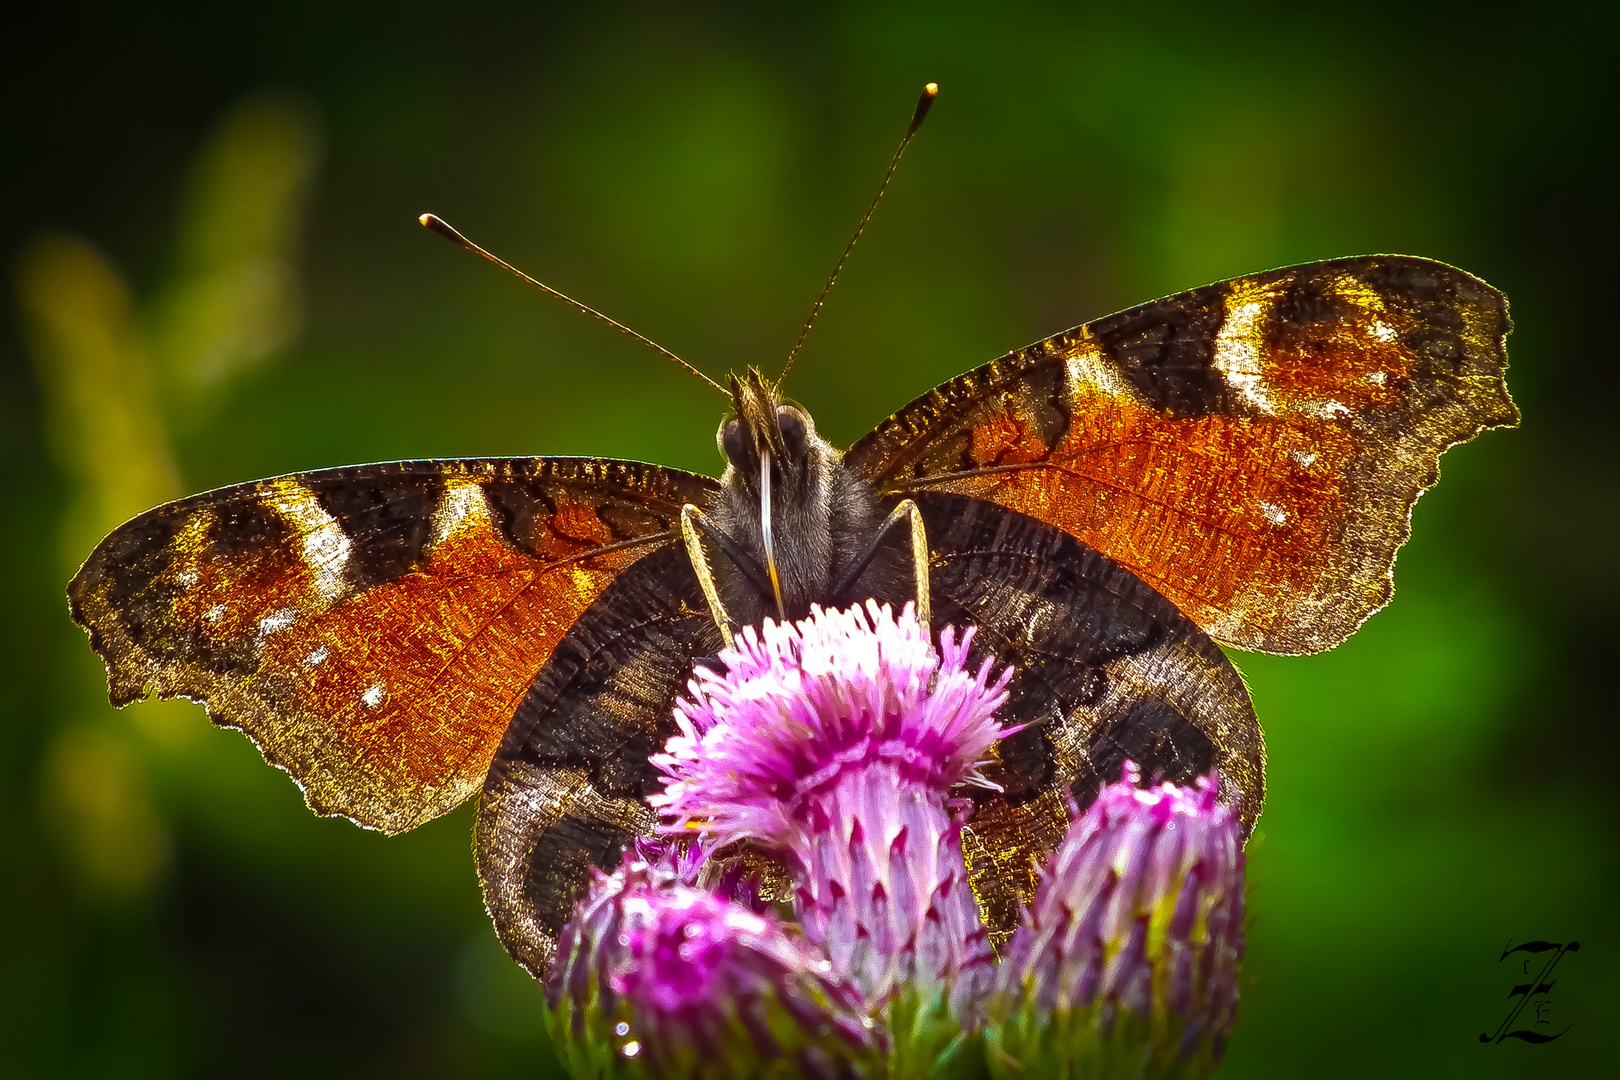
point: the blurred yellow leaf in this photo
(106, 429)
(114, 378)
(235, 297)
(95, 796)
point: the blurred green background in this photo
(217, 276)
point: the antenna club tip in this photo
(435, 223)
(924, 103)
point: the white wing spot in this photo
(373, 696)
(1377, 378)
(1325, 410)
(324, 545)
(1274, 513)
(1086, 367)
(186, 578)
(1303, 458)
(1382, 331)
(463, 505)
(317, 657)
(276, 620)
(215, 613)
(1237, 354)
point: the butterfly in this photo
(1236, 464)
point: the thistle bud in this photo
(1126, 963)
(655, 978)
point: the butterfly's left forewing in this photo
(371, 628)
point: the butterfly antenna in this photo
(930, 92)
(440, 226)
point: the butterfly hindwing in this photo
(569, 783)
(1105, 670)
(371, 628)
(1251, 449)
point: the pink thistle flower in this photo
(800, 705)
(835, 744)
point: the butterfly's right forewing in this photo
(1252, 449)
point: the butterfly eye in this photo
(731, 441)
(791, 421)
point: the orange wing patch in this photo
(1253, 449)
(371, 629)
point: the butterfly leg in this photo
(691, 522)
(905, 513)
(919, 557)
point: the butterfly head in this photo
(777, 505)
(762, 425)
